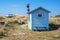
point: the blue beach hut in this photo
(38, 19)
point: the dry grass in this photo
(13, 29)
(54, 20)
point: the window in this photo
(39, 15)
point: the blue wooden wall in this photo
(38, 23)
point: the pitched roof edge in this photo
(39, 8)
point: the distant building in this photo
(10, 15)
(38, 19)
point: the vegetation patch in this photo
(16, 29)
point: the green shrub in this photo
(53, 26)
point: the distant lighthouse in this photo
(28, 9)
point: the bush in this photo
(53, 26)
(2, 35)
(1, 18)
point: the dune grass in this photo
(14, 29)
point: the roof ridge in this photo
(39, 8)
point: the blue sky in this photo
(19, 6)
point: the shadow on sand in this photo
(53, 27)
